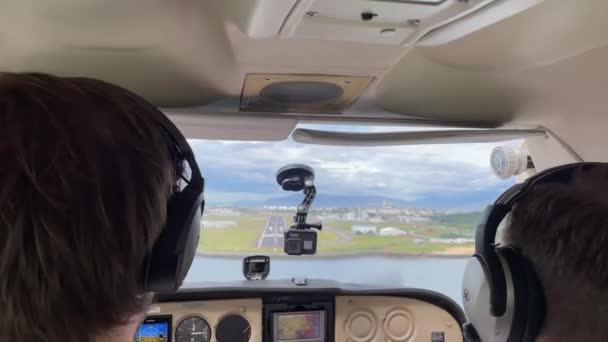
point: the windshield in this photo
(392, 216)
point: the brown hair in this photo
(84, 180)
(563, 230)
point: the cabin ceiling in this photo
(478, 63)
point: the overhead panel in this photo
(395, 22)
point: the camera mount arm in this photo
(310, 191)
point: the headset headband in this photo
(176, 137)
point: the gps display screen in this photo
(299, 326)
(154, 329)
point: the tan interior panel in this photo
(544, 34)
(392, 319)
(213, 311)
(538, 66)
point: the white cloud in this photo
(405, 172)
(231, 197)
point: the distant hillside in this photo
(467, 220)
(470, 201)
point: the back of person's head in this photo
(84, 182)
(563, 230)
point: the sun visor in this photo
(320, 137)
(221, 127)
(298, 93)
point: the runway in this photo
(272, 234)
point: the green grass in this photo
(381, 244)
(462, 221)
(228, 240)
(327, 236)
(243, 238)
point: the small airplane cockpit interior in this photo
(351, 166)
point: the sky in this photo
(237, 171)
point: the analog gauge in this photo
(233, 328)
(193, 329)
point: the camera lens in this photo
(293, 246)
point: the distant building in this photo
(390, 231)
(222, 211)
(376, 219)
(219, 224)
(452, 241)
(372, 230)
(412, 219)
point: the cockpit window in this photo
(392, 216)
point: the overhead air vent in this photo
(296, 93)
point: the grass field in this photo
(336, 238)
(381, 244)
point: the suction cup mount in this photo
(295, 177)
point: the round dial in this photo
(233, 328)
(193, 329)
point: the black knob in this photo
(367, 16)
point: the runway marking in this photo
(274, 229)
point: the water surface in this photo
(443, 275)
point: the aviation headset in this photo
(168, 263)
(502, 296)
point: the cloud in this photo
(245, 170)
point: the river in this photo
(439, 274)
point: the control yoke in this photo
(300, 239)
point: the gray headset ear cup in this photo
(475, 293)
(476, 302)
(529, 303)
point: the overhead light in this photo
(301, 93)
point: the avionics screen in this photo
(306, 326)
(154, 330)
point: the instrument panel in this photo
(235, 320)
(349, 318)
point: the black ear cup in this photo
(529, 301)
(175, 249)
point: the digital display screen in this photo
(299, 326)
(154, 330)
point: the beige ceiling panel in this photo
(542, 64)
(544, 34)
(420, 86)
(308, 56)
(173, 53)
